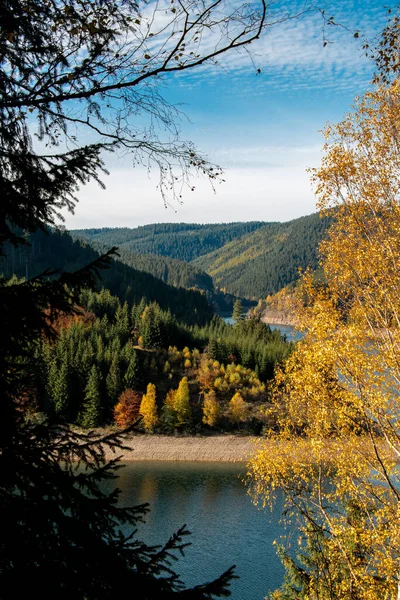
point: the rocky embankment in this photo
(278, 317)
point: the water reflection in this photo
(226, 527)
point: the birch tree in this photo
(337, 399)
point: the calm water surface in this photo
(226, 527)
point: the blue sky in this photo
(263, 129)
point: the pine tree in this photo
(99, 349)
(168, 414)
(90, 414)
(212, 349)
(167, 367)
(113, 380)
(237, 314)
(58, 385)
(131, 377)
(122, 320)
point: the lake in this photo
(292, 335)
(226, 527)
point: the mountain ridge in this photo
(247, 259)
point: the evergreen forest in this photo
(184, 241)
(136, 331)
(248, 260)
(57, 251)
(107, 355)
(268, 259)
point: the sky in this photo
(263, 129)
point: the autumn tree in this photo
(182, 407)
(212, 410)
(126, 411)
(238, 409)
(340, 388)
(148, 408)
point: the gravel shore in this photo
(218, 448)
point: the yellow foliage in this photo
(341, 387)
(148, 408)
(234, 378)
(238, 409)
(196, 357)
(174, 356)
(170, 399)
(181, 403)
(226, 380)
(212, 411)
(146, 313)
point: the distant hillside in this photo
(170, 270)
(267, 259)
(183, 241)
(58, 250)
(249, 260)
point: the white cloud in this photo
(278, 189)
(292, 56)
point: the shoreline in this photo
(216, 448)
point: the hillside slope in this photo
(266, 260)
(57, 250)
(184, 241)
(170, 270)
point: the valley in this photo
(247, 260)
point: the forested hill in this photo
(57, 250)
(184, 241)
(170, 270)
(267, 259)
(250, 260)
